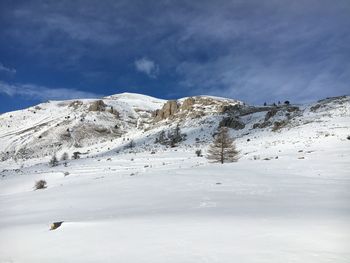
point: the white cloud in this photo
(31, 91)
(6, 69)
(147, 66)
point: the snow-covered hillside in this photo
(286, 199)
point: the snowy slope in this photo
(287, 198)
(49, 127)
(175, 207)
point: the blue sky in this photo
(250, 50)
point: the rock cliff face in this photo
(188, 104)
(97, 105)
(232, 122)
(168, 110)
(193, 107)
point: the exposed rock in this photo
(270, 114)
(187, 104)
(168, 110)
(230, 108)
(261, 125)
(277, 125)
(97, 105)
(231, 122)
(55, 225)
(315, 107)
(76, 104)
(292, 109)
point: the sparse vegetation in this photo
(41, 184)
(172, 138)
(199, 153)
(54, 161)
(76, 155)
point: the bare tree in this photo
(223, 148)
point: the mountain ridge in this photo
(84, 125)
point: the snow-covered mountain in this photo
(132, 197)
(94, 126)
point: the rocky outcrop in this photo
(232, 122)
(262, 125)
(76, 104)
(97, 105)
(270, 114)
(169, 109)
(187, 104)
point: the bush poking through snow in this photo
(41, 184)
(199, 153)
(348, 137)
(54, 161)
(76, 155)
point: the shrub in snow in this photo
(76, 155)
(199, 153)
(348, 137)
(54, 161)
(41, 184)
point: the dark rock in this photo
(55, 225)
(231, 122)
(270, 114)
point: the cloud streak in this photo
(147, 66)
(30, 91)
(8, 70)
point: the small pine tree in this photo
(223, 148)
(54, 161)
